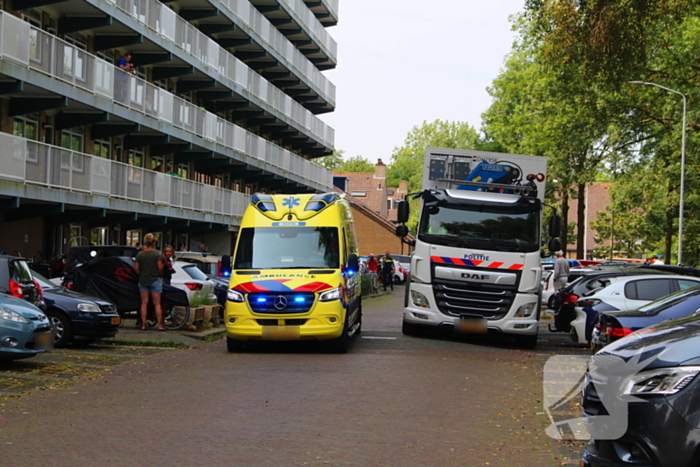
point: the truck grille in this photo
(460, 298)
(279, 303)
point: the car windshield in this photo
(287, 248)
(669, 300)
(506, 228)
(44, 282)
(195, 273)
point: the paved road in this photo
(391, 401)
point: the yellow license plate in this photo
(281, 333)
(116, 320)
(471, 325)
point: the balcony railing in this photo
(167, 23)
(34, 163)
(312, 24)
(38, 50)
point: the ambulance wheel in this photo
(340, 344)
(234, 345)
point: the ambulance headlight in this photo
(330, 295)
(234, 296)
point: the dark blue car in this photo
(613, 325)
(76, 317)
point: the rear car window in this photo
(686, 284)
(648, 289)
(20, 272)
(195, 273)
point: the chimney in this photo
(403, 187)
(380, 170)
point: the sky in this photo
(403, 62)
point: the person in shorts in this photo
(149, 268)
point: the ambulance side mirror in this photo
(353, 263)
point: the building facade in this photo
(222, 101)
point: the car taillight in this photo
(585, 303)
(193, 285)
(16, 290)
(38, 288)
(613, 331)
(569, 298)
(218, 268)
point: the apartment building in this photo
(222, 101)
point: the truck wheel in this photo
(526, 342)
(411, 329)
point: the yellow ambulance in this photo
(295, 272)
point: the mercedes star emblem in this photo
(280, 302)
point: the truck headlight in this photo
(526, 310)
(88, 308)
(234, 296)
(419, 299)
(661, 382)
(329, 295)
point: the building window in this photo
(76, 236)
(102, 148)
(135, 159)
(98, 236)
(390, 203)
(73, 140)
(133, 237)
(358, 194)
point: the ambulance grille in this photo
(458, 298)
(281, 302)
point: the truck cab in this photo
(476, 265)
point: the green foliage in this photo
(331, 162)
(356, 164)
(200, 298)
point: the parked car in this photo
(619, 291)
(220, 288)
(641, 396)
(16, 279)
(548, 287)
(79, 255)
(76, 317)
(613, 325)
(192, 280)
(24, 329)
(211, 265)
(405, 262)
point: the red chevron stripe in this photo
(516, 266)
(495, 265)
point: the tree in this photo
(331, 162)
(355, 164)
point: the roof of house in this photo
(364, 209)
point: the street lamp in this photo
(680, 208)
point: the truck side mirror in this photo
(554, 245)
(353, 263)
(402, 212)
(554, 226)
(401, 231)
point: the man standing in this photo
(388, 272)
(561, 271)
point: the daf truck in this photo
(476, 263)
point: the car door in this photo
(639, 292)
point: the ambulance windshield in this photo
(287, 248)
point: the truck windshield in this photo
(512, 228)
(287, 248)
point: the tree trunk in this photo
(564, 220)
(581, 221)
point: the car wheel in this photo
(550, 302)
(62, 328)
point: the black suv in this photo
(16, 279)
